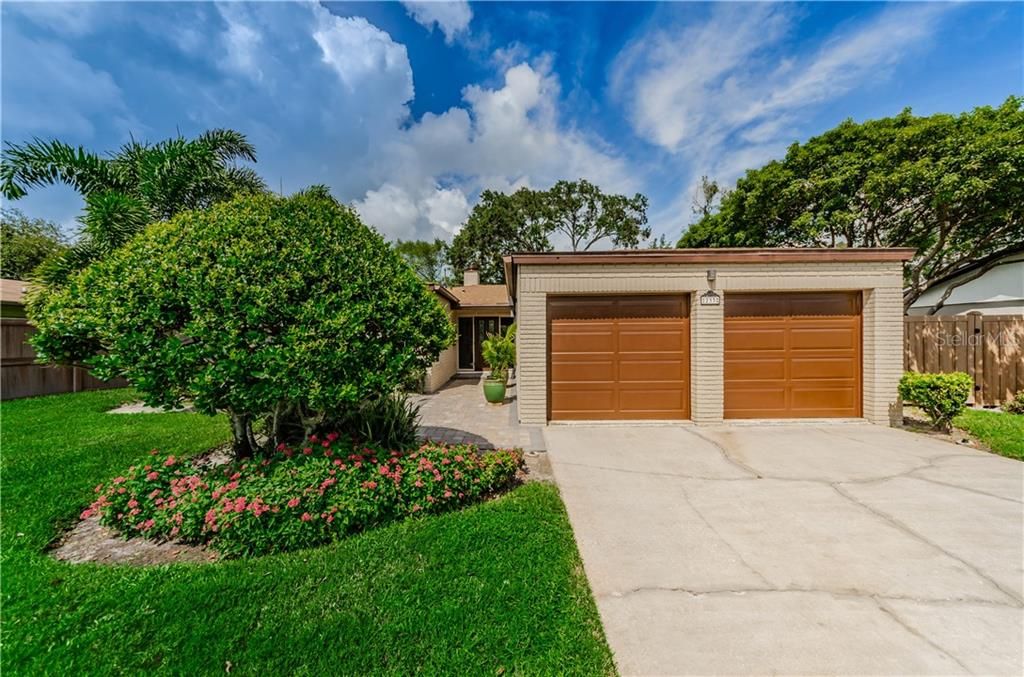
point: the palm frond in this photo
(228, 144)
(45, 163)
(112, 218)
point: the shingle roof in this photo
(481, 295)
(12, 291)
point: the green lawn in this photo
(1003, 433)
(495, 588)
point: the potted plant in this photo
(499, 351)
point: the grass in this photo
(1003, 433)
(494, 588)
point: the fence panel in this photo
(988, 347)
(20, 376)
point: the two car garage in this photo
(786, 355)
(708, 335)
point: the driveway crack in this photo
(884, 608)
(725, 454)
(913, 534)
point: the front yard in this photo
(1003, 433)
(494, 588)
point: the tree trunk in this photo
(243, 441)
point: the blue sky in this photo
(407, 111)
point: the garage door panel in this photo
(792, 355)
(649, 371)
(583, 371)
(571, 340)
(817, 368)
(840, 338)
(619, 357)
(755, 337)
(758, 369)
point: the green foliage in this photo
(951, 187)
(261, 306)
(1002, 433)
(499, 352)
(578, 211)
(131, 188)
(299, 498)
(941, 396)
(427, 258)
(389, 422)
(1016, 405)
(496, 567)
(25, 243)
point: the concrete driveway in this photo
(796, 549)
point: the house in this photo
(477, 310)
(990, 286)
(708, 335)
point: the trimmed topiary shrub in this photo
(299, 497)
(283, 309)
(941, 396)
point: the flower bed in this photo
(299, 498)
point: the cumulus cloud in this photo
(452, 18)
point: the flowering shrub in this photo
(301, 497)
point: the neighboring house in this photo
(20, 376)
(477, 310)
(708, 335)
(990, 286)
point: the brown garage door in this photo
(792, 355)
(619, 357)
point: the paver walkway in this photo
(458, 413)
(797, 549)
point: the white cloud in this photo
(241, 42)
(721, 96)
(447, 209)
(451, 17)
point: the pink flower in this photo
(99, 488)
(332, 436)
(330, 518)
(133, 503)
(169, 462)
(306, 517)
(447, 493)
(458, 459)
(154, 475)
(118, 480)
(307, 451)
(370, 485)
(418, 483)
(282, 446)
(293, 502)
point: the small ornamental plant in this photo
(941, 396)
(300, 497)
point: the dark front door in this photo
(485, 326)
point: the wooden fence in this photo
(988, 347)
(20, 376)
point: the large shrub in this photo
(941, 396)
(298, 498)
(1016, 405)
(261, 306)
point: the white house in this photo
(997, 291)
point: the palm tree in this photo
(129, 189)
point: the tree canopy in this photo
(950, 186)
(427, 258)
(261, 306)
(26, 243)
(525, 221)
(127, 190)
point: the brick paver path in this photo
(458, 413)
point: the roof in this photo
(12, 291)
(481, 295)
(709, 255)
(997, 257)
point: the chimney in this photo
(471, 278)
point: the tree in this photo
(258, 307)
(131, 188)
(705, 197)
(585, 215)
(951, 187)
(26, 243)
(502, 224)
(499, 225)
(426, 258)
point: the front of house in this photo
(477, 311)
(708, 335)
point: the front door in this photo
(485, 326)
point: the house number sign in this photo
(710, 298)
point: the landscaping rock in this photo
(90, 541)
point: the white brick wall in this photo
(882, 320)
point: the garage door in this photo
(619, 357)
(792, 355)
